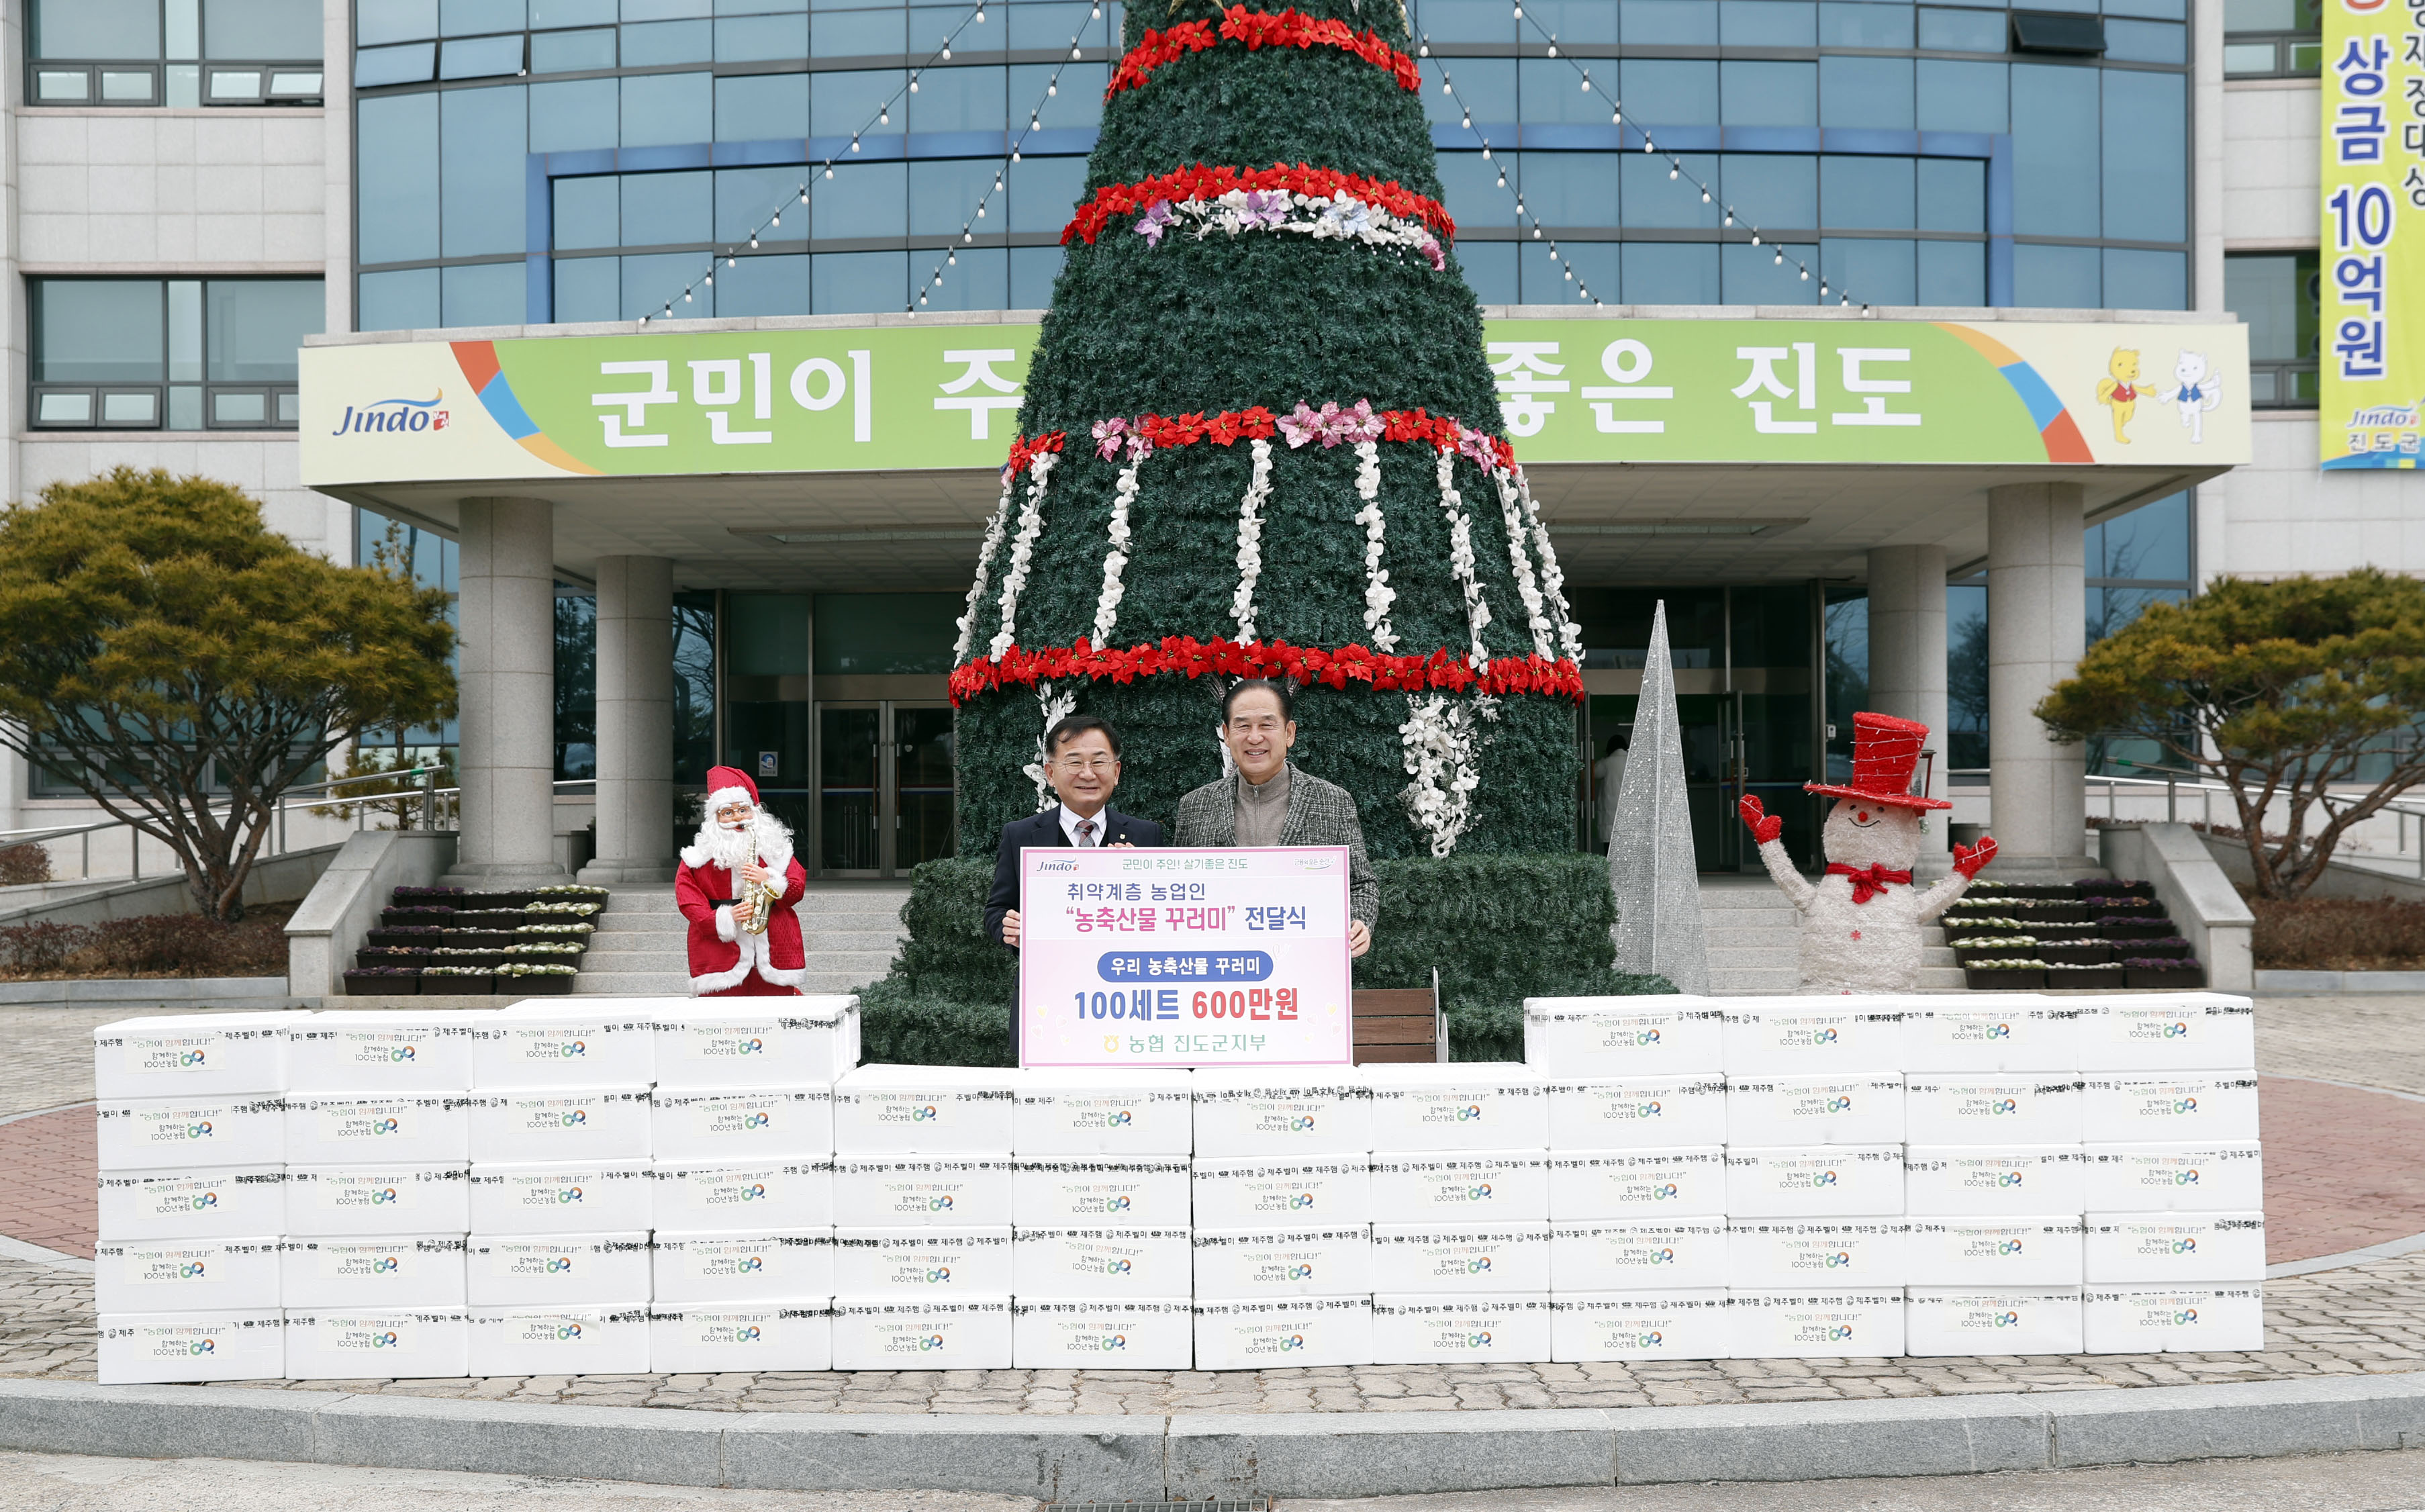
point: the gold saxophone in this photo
(763, 897)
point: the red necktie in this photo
(1086, 833)
(1868, 881)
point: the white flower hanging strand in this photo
(1379, 595)
(1460, 557)
(1250, 538)
(1438, 743)
(1022, 551)
(1116, 560)
(1055, 708)
(1511, 512)
(994, 528)
(1554, 582)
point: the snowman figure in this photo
(1861, 922)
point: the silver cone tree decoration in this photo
(1650, 862)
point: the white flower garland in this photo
(1439, 740)
(1324, 217)
(1116, 561)
(1056, 708)
(1250, 538)
(1379, 595)
(1460, 559)
(1570, 635)
(994, 529)
(1511, 513)
(1022, 550)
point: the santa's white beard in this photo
(729, 848)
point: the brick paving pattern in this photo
(50, 1160)
(2370, 1041)
(2342, 1169)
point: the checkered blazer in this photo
(1319, 813)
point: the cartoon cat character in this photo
(2196, 390)
(2119, 392)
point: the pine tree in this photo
(1259, 413)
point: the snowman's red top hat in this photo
(1884, 752)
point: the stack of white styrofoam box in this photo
(1283, 1224)
(740, 1164)
(1102, 1214)
(2175, 1227)
(922, 1206)
(1636, 1103)
(192, 1163)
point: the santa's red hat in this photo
(730, 785)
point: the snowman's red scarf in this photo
(1868, 881)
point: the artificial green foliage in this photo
(1223, 323)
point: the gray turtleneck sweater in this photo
(1262, 810)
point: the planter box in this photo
(2183, 978)
(2090, 976)
(359, 986)
(487, 919)
(2138, 929)
(481, 938)
(2152, 948)
(551, 985)
(365, 958)
(1972, 958)
(397, 937)
(2061, 891)
(393, 917)
(495, 900)
(2119, 890)
(489, 958)
(2003, 981)
(459, 986)
(2087, 953)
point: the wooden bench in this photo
(1398, 1025)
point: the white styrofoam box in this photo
(925, 1110)
(382, 1051)
(1461, 1186)
(1430, 1328)
(1636, 1112)
(1306, 1191)
(1797, 1182)
(925, 1262)
(1616, 1255)
(801, 1042)
(792, 1333)
(610, 1042)
(1123, 1114)
(1072, 1191)
(1974, 1252)
(914, 1333)
(1460, 1105)
(1812, 1036)
(1101, 1263)
(754, 1194)
(1283, 1333)
(1080, 1334)
(1686, 1322)
(1958, 1034)
(351, 1341)
(1460, 1258)
(366, 1201)
(1850, 1108)
(556, 1270)
(1805, 1323)
(185, 1275)
(588, 1341)
(1287, 1111)
(1833, 1254)
(152, 1348)
(741, 1123)
(385, 1128)
(1968, 1320)
(520, 1124)
(2174, 1320)
(192, 1054)
(2175, 1248)
(2171, 1109)
(1687, 1182)
(170, 1133)
(226, 1202)
(1623, 1037)
(2011, 1179)
(903, 1191)
(2223, 1176)
(2168, 1031)
(1263, 1264)
(690, 1265)
(381, 1272)
(1976, 1108)
(562, 1197)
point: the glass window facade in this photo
(1901, 154)
(174, 53)
(2273, 39)
(2278, 295)
(167, 354)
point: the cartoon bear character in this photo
(1861, 922)
(2118, 391)
(2196, 390)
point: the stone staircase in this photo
(1754, 944)
(850, 928)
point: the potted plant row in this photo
(425, 894)
(1971, 950)
(2133, 927)
(2093, 887)
(2176, 972)
(2011, 973)
(550, 911)
(2085, 974)
(416, 934)
(571, 891)
(383, 981)
(535, 977)
(517, 900)
(452, 979)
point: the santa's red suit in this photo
(727, 961)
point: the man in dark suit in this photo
(1082, 763)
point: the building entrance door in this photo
(884, 787)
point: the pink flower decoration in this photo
(1139, 447)
(1265, 207)
(1332, 423)
(1474, 443)
(1107, 437)
(1432, 253)
(1157, 220)
(1360, 422)
(1304, 425)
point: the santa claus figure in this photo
(1861, 922)
(740, 850)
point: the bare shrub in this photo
(2339, 934)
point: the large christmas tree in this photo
(1260, 437)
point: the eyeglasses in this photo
(732, 813)
(1104, 765)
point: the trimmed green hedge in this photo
(1499, 929)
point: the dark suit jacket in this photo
(1044, 829)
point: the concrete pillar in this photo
(635, 722)
(508, 760)
(2036, 632)
(1908, 662)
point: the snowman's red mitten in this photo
(1765, 826)
(1970, 859)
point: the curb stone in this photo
(1199, 1456)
